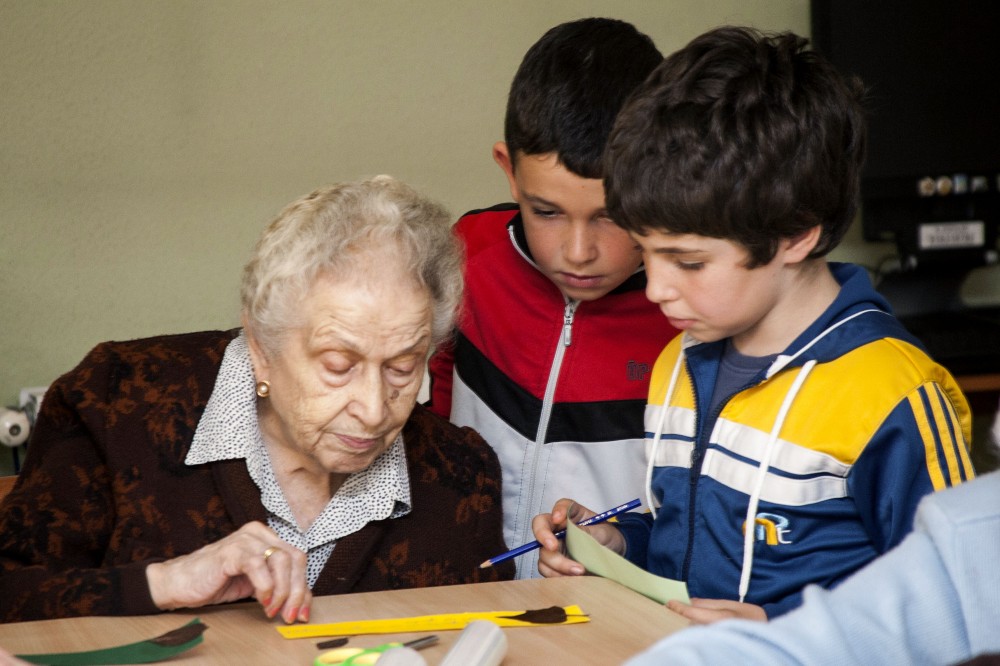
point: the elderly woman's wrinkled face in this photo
(344, 384)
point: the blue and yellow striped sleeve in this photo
(921, 447)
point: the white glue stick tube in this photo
(482, 643)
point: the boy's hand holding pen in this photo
(544, 526)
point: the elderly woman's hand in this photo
(7, 659)
(253, 561)
(552, 562)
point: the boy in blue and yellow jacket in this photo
(794, 427)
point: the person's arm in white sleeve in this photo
(929, 600)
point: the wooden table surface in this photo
(621, 624)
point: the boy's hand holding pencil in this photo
(552, 561)
(549, 529)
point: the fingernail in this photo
(304, 614)
(292, 613)
(266, 602)
(271, 612)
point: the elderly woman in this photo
(279, 461)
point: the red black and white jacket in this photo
(557, 387)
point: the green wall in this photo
(143, 145)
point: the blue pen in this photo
(528, 547)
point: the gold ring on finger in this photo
(269, 552)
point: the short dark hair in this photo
(570, 86)
(740, 135)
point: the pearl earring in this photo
(263, 388)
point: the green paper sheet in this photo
(144, 652)
(605, 563)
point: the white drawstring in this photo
(749, 526)
(782, 362)
(658, 433)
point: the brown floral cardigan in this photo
(105, 491)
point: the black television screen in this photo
(932, 73)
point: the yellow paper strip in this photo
(574, 615)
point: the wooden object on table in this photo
(985, 383)
(983, 393)
(622, 624)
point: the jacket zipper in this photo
(697, 460)
(565, 340)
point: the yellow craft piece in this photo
(401, 625)
(353, 656)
